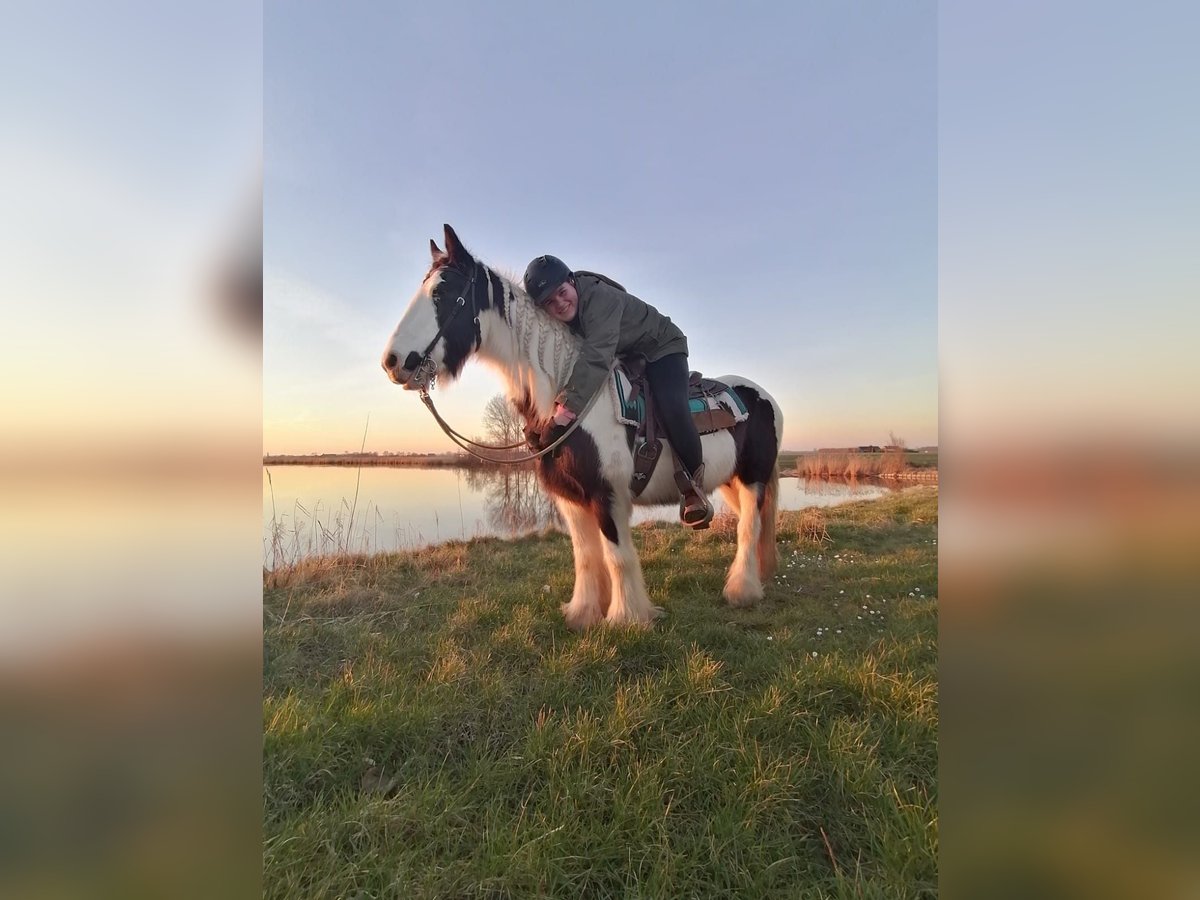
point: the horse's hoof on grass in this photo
(625, 620)
(580, 620)
(741, 599)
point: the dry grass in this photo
(811, 528)
(848, 464)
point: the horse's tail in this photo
(768, 553)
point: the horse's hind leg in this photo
(743, 585)
(629, 605)
(590, 600)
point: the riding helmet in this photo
(543, 277)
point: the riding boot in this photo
(695, 510)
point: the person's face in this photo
(563, 303)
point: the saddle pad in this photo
(711, 411)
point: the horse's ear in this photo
(454, 248)
(437, 254)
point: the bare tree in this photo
(896, 441)
(501, 421)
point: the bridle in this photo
(424, 367)
(422, 378)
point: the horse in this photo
(464, 308)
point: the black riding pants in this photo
(668, 379)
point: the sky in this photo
(1068, 271)
(129, 168)
(766, 176)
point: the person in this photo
(614, 323)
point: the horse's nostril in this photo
(390, 362)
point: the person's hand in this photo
(541, 435)
(562, 415)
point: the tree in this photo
(501, 422)
(896, 441)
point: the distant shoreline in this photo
(791, 462)
(416, 460)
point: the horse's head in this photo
(438, 330)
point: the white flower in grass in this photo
(545, 588)
(814, 654)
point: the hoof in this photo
(742, 598)
(581, 619)
(625, 619)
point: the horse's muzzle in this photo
(395, 372)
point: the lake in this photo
(316, 510)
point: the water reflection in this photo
(513, 499)
(317, 510)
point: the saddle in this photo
(715, 406)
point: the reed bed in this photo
(848, 464)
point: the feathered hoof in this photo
(627, 619)
(742, 595)
(581, 618)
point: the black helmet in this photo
(543, 276)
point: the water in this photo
(313, 510)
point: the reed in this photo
(850, 464)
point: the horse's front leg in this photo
(630, 604)
(590, 600)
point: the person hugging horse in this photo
(613, 323)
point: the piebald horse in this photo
(463, 308)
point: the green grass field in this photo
(433, 730)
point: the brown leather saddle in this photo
(714, 406)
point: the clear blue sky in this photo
(766, 175)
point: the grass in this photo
(433, 730)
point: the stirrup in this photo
(695, 509)
(695, 516)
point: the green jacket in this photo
(613, 323)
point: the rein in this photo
(462, 441)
